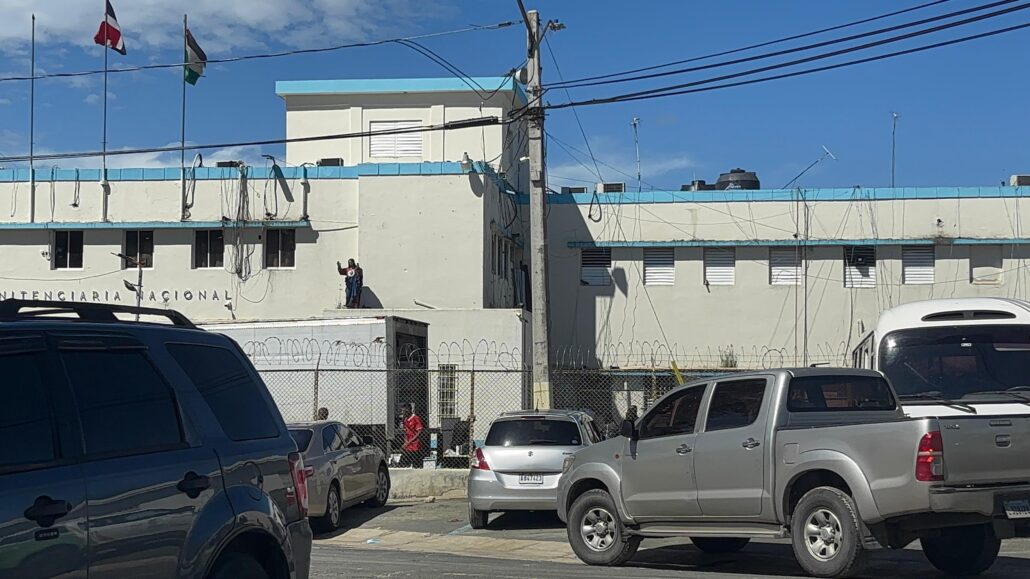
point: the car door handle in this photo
(751, 443)
(193, 484)
(683, 449)
(45, 511)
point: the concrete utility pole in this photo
(537, 215)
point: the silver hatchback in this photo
(518, 467)
(342, 470)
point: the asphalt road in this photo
(407, 540)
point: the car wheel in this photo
(962, 550)
(478, 519)
(382, 488)
(330, 521)
(827, 534)
(595, 532)
(238, 566)
(719, 545)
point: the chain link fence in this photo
(457, 405)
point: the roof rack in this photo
(11, 310)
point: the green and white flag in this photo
(195, 59)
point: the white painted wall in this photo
(761, 323)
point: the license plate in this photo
(1019, 509)
(538, 479)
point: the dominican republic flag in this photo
(195, 61)
(110, 34)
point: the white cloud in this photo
(616, 162)
(94, 98)
(219, 25)
(5, 101)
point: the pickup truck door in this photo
(729, 457)
(658, 470)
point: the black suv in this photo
(132, 448)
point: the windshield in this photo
(533, 432)
(302, 438)
(956, 361)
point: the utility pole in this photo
(537, 214)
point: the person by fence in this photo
(413, 451)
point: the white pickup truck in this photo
(823, 456)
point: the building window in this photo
(493, 254)
(139, 247)
(208, 249)
(280, 248)
(659, 266)
(394, 144)
(917, 263)
(720, 265)
(67, 250)
(447, 390)
(860, 266)
(784, 266)
(985, 263)
(595, 266)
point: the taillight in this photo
(479, 460)
(930, 458)
(300, 483)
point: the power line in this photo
(454, 70)
(670, 91)
(453, 125)
(792, 50)
(762, 44)
(497, 26)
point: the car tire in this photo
(330, 521)
(962, 551)
(478, 519)
(382, 489)
(595, 532)
(719, 545)
(238, 566)
(827, 534)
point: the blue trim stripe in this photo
(794, 242)
(224, 173)
(393, 85)
(75, 225)
(781, 195)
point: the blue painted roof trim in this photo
(224, 173)
(765, 195)
(76, 225)
(394, 85)
(794, 242)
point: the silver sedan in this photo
(342, 470)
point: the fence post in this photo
(314, 406)
(472, 409)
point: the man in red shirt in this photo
(413, 452)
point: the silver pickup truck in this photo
(823, 456)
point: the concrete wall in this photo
(763, 324)
(311, 115)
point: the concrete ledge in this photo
(421, 483)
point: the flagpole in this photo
(103, 141)
(32, 127)
(182, 140)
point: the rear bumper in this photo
(989, 502)
(486, 493)
(300, 543)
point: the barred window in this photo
(596, 266)
(447, 390)
(860, 266)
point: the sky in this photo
(963, 109)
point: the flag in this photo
(110, 34)
(195, 59)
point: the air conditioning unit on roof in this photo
(611, 187)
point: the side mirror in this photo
(629, 429)
(368, 440)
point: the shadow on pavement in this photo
(357, 516)
(525, 520)
(766, 559)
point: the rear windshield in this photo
(835, 393)
(534, 432)
(302, 438)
